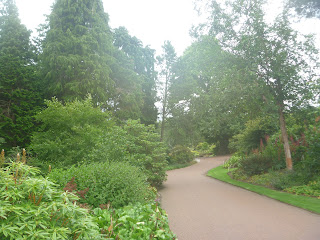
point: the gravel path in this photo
(202, 208)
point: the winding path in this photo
(202, 208)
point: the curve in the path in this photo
(202, 208)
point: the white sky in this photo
(151, 21)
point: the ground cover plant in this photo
(138, 221)
(33, 207)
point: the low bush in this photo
(180, 154)
(312, 189)
(263, 179)
(233, 161)
(255, 164)
(139, 221)
(117, 183)
(33, 208)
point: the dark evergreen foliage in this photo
(19, 92)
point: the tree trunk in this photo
(285, 138)
(164, 108)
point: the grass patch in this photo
(308, 203)
(179, 165)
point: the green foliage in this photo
(255, 133)
(205, 149)
(311, 162)
(76, 132)
(180, 154)
(139, 221)
(68, 131)
(211, 95)
(117, 183)
(33, 208)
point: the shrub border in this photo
(304, 202)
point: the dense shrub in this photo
(69, 131)
(117, 183)
(137, 221)
(205, 149)
(256, 163)
(254, 133)
(285, 179)
(137, 144)
(33, 208)
(180, 154)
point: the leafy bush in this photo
(311, 162)
(233, 161)
(137, 221)
(205, 149)
(180, 154)
(286, 179)
(33, 208)
(255, 164)
(69, 132)
(117, 183)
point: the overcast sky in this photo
(152, 21)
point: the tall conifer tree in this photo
(143, 59)
(19, 95)
(76, 51)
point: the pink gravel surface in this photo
(202, 208)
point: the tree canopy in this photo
(307, 8)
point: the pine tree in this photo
(19, 95)
(76, 51)
(142, 61)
